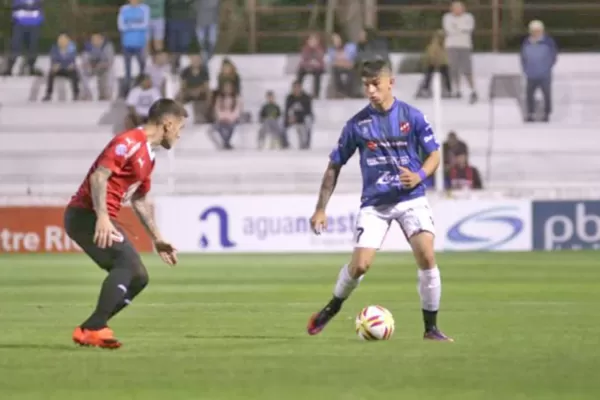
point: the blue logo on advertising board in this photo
(494, 226)
(568, 225)
(264, 227)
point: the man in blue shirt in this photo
(134, 24)
(63, 63)
(27, 19)
(538, 57)
(388, 135)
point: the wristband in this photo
(422, 174)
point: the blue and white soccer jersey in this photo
(385, 142)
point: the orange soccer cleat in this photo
(103, 338)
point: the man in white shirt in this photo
(139, 100)
(458, 26)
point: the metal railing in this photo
(252, 26)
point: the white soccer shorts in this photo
(373, 222)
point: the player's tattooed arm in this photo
(143, 209)
(328, 184)
(98, 183)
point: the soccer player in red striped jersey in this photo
(121, 173)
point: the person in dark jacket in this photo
(299, 114)
(538, 57)
(181, 25)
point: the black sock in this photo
(135, 288)
(334, 305)
(430, 320)
(113, 292)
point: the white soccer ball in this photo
(374, 323)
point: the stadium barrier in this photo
(281, 224)
(277, 224)
(39, 229)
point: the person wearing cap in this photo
(538, 57)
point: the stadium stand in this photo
(44, 143)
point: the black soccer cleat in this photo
(318, 321)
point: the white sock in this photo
(430, 288)
(345, 283)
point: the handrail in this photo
(498, 25)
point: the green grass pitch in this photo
(231, 327)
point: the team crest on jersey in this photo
(121, 149)
(404, 127)
(371, 145)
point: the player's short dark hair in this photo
(164, 107)
(372, 68)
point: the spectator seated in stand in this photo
(452, 147)
(97, 61)
(139, 100)
(435, 59)
(298, 114)
(63, 63)
(312, 62)
(194, 88)
(227, 113)
(461, 175)
(227, 74)
(269, 135)
(341, 59)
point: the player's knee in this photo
(140, 275)
(422, 245)
(360, 264)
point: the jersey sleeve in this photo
(346, 146)
(114, 157)
(424, 133)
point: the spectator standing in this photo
(341, 57)
(157, 23)
(139, 100)
(97, 60)
(435, 59)
(458, 26)
(312, 62)
(134, 24)
(181, 22)
(63, 63)
(27, 20)
(298, 114)
(194, 88)
(269, 134)
(463, 176)
(228, 110)
(207, 26)
(538, 56)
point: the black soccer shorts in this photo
(80, 225)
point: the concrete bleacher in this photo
(47, 147)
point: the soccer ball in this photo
(374, 323)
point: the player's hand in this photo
(105, 233)
(166, 251)
(409, 179)
(318, 222)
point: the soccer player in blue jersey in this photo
(388, 135)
